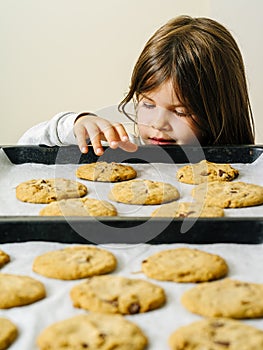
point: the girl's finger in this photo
(95, 139)
(128, 146)
(81, 136)
(111, 135)
(121, 131)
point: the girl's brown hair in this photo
(205, 65)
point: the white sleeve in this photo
(56, 132)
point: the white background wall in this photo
(244, 19)
(60, 55)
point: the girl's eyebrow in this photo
(171, 106)
(147, 97)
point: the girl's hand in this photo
(98, 129)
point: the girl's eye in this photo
(182, 114)
(148, 105)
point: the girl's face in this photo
(163, 120)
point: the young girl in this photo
(188, 86)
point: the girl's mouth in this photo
(157, 141)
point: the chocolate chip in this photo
(113, 302)
(233, 191)
(182, 215)
(190, 212)
(183, 274)
(217, 324)
(84, 345)
(134, 308)
(223, 343)
(144, 261)
(242, 284)
(102, 335)
(220, 172)
(228, 204)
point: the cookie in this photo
(49, 190)
(229, 195)
(74, 263)
(79, 207)
(106, 172)
(4, 258)
(8, 333)
(187, 210)
(145, 192)
(116, 294)
(217, 334)
(184, 265)
(205, 171)
(17, 290)
(92, 331)
(225, 298)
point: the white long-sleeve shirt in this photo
(58, 131)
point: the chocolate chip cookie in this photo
(145, 192)
(184, 265)
(225, 298)
(116, 294)
(187, 210)
(205, 171)
(228, 194)
(18, 290)
(75, 262)
(93, 331)
(106, 172)
(4, 258)
(79, 207)
(217, 334)
(8, 333)
(49, 190)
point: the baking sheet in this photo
(20, 221)
(157, 325)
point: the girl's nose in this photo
(160, 120)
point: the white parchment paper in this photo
(245, 264)
(11, 175)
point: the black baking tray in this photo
(101, 230)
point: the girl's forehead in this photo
(164, 93)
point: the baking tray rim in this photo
(176, 154)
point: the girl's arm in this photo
(58, 131)
(68, 128)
